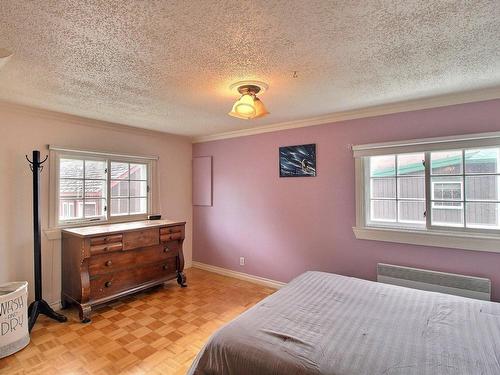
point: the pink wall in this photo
(289, 225)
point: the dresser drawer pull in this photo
(107, 284)
(108, 263)
(106, 247)
(166, 249)
(165, 267)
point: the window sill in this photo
(52, 233)
(469, 241)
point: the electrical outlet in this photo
(242, 261)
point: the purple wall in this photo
(285, 226)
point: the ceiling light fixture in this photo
(5, 56)
(248, 106)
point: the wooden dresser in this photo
(104, 262)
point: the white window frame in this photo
(68, 207)
(58, 153)
(432, 235)
(387, 223)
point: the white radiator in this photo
(449, 283)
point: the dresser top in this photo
(106, 229)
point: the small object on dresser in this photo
(154, 217)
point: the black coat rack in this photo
(38, 306)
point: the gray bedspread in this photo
(323, 323)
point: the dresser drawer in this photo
(108, 284)
(105, 239)
(108, 263)
(106, 244)
(140, 238)
(174, 229)
(171, 233)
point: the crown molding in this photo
(380, 110)
(85, 121)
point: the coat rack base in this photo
(42, 307)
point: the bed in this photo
(322, 323)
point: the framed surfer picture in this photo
(298, 161)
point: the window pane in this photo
(95, 189)
(383, 210)
(482, 160)
(483, 215)
(138, 188)
(383, 188)
(382, 166)
(484, 188)
(411, 164)
(411, 187)
(411, 212)
(70, 168)
(119, 171)
(446, 188)
(119, 207)
(95, 208)
(70, 209)
(449, 214)
(138, 172)
(138, 205)
(119, 189)
(70, 189)
(95, 169)
(446, 162)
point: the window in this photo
(464, 185)
(466, 189)
(436, 186)
(82, 189)
(397, 189)
(97, 187)
(129, 188)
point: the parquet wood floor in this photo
(157, 332)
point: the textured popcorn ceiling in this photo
(167, 65)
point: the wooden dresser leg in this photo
(181, 279)
(85, 311)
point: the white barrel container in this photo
(14, 333)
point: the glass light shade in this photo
(248, 107)
(244, 107)
(260, 109)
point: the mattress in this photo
(323, 323)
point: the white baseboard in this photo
(239, 275)
(56, 306)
